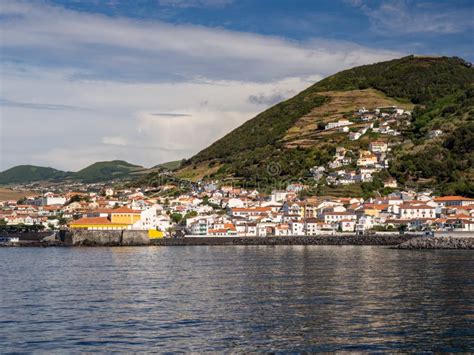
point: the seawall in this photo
(137, 238)
(448, 242)
(390, 240)
(140, 238)
(106, 238)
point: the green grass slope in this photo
(106, 170)
(29, 173)
(170, 165)
(441, 87)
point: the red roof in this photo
(124, 210)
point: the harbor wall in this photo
(138, 237)
(347, 239)
(106, 238)
(446, 242)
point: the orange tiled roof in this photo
(252, 209)
(452, 198)
(124, 210)
(229, 226)
(415, 207)
(217, 231)
(102, 210)
(91, 220)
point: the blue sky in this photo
(155, 80)
(430, 27)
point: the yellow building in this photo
(155, 234)
(124, 215)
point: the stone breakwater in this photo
(438, 243)
(388, 240)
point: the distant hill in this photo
(107, 170)
(27, 173)
(97, 172)
(286, 140)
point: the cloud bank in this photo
(79, 87)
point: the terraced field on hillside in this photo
(340, 105)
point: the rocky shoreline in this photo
(448, 242)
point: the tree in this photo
(176, 217)
(190, 214)
(21, 201)
(62, 221)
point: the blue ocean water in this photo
(235, 298)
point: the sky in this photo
(150, 81)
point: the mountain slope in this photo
(27, 173)
(170, 165)
(107, 170)
(273, 145)
(97, 172)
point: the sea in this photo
(236, 299)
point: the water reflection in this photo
(281, 298)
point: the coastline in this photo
(140, 238)
(136, 238)
(381, 240)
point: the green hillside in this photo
(29, 173)
(270, 146)
(97, 172)
(170, 165)
(107, 170)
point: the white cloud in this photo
(404, 17)
(81, 85)
(125, 49)
(116, 140)
(195, 3)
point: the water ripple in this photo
(276, 299)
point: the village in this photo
(227, 211)
(357, 166)
(217, 209)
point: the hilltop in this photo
(107, 170)
(97, 172)
(27, 173)
(287, 140)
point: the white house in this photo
(297, 228)
(331, 217)
(448, 201)
(353, 136)
(52, 199)
(435, 133)
(378, 147)
(337, 124)
(347, 225)
(412, 211)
